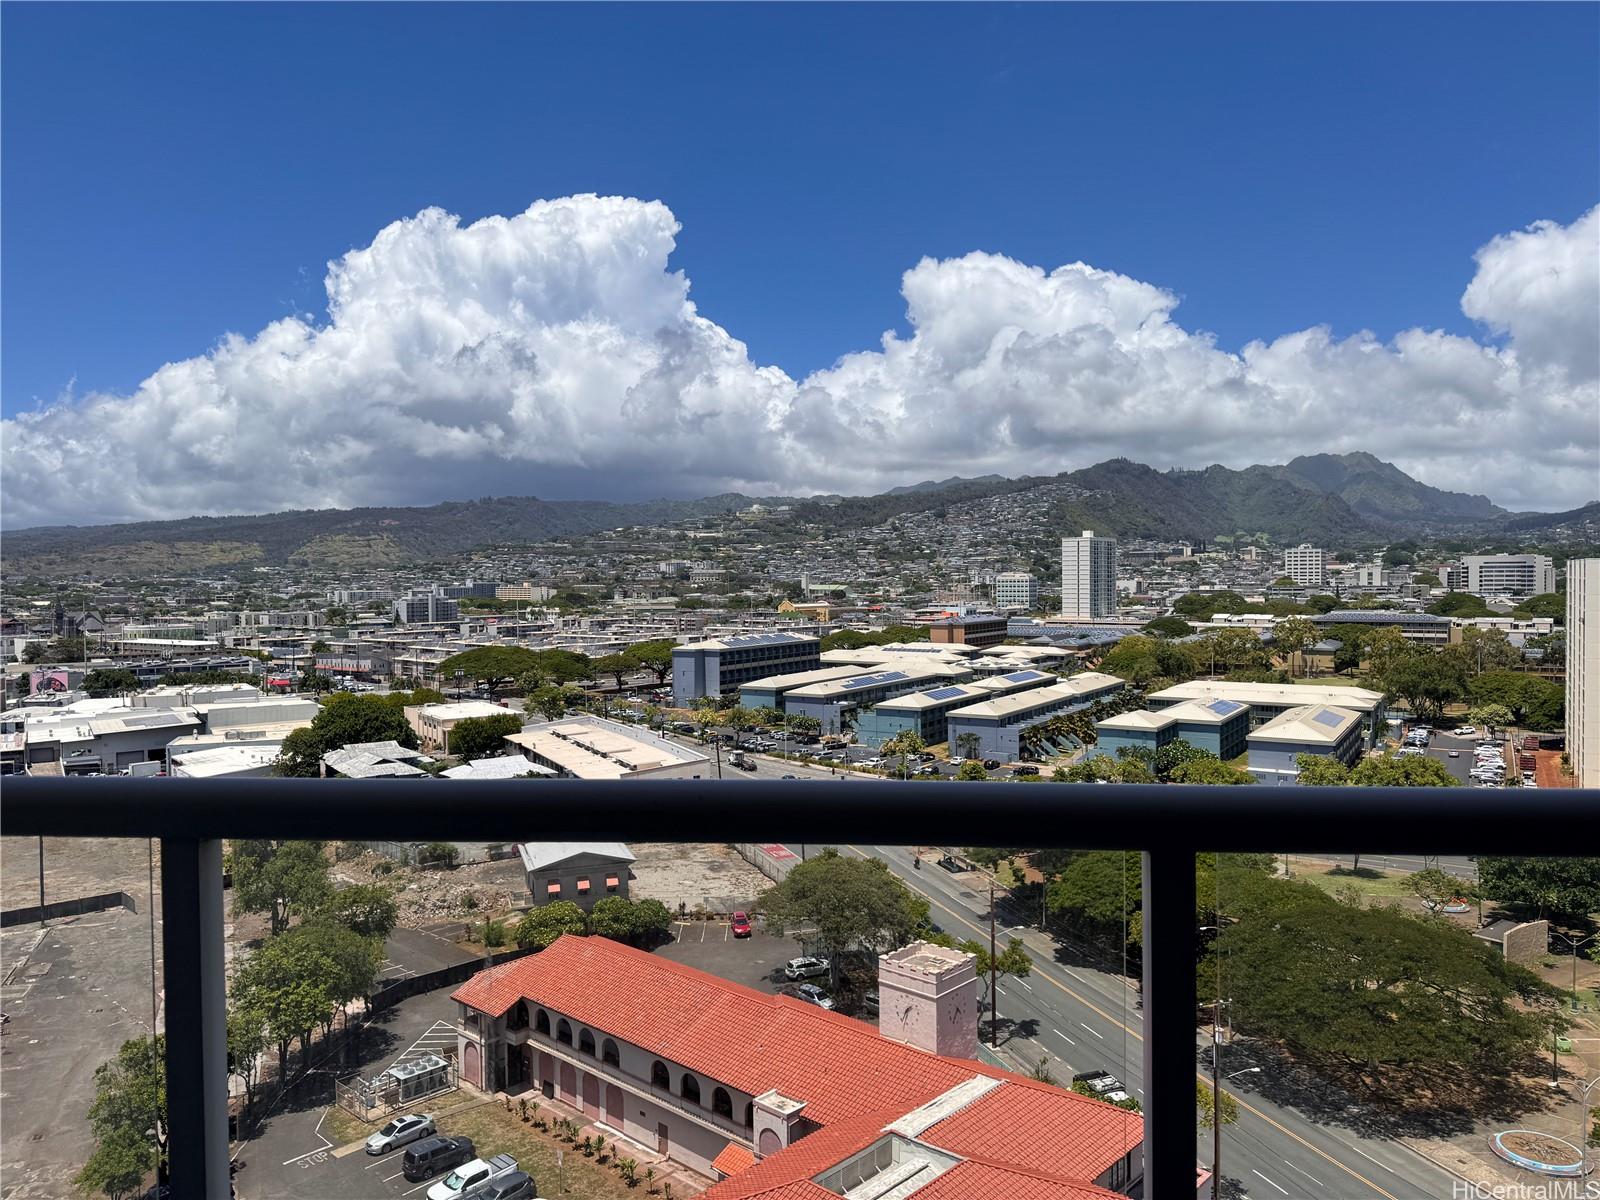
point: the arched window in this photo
(541, 1023)
(722, 1104)
(519, 1016)
(659, 1077)
(564, 1031)
(749, 1116)
(586, 1043)
(608, 1053)
(689, 1089)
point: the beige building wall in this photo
(1583, 670)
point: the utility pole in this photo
(994, 991)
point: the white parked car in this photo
(1466, 731)
(805, 968)
(400, 1131)
(471, 1179)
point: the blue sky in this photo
(175, 173)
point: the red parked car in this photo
(741, 924)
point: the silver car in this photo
(400, 1131)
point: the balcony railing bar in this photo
(1168, 824)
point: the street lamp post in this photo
(1583, 1122)
(1575, 945)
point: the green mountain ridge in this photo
(1319, 498)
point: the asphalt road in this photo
(1078, 1018)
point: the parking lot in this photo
(756, 961)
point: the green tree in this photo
(320, 647)
(654, 656)
(618, 666)
(482, 737)
(1323, 603)
(130, 1098)
(314, 682)
(967, 745)
(1210, 770)
(971, 771)
(551, 701)
(345, 719)
(247, 1038)
(799, 723)
(1425, 579)
(280, 878)
(367, 908)
(492, 666)
(289, 981)
(1371, 986)
(1460, 604)
(904, 744)
(110, 682)
(1427, 682)
(612, 917)
(1562, 887)
(1232, 649)
(1205, 605)
(1321, 770)
(354, 961)
(1099, 889)
(1391, 771)
(1483, 650)
(1175, 754)
(1144, 660)
(1292, 637)
(1490, 716)
(1436, 888)
(850, 903)
(652, 922)
(1204, 1102)
(543, 925)
(1545, 604)
(1535, 703)
(1169, 627)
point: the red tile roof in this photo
(733, 1159)
(853, 1081)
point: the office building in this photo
(1509, 574)
(1306, 565)
(1268, 701)
(994, 728)
(590, 747)
(1088, 576)
(1219, 727)
(1425, 629)
(1583, 669)
(836, 703)
(1318, 729)
(773, 1097)
(530, 593)
(975, 630)
(1016, 589)
(927, 713)
(720, 666)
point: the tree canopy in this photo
(1534, 702)
(1563, 887)
(1385, 770)
(1460, 604)
(492, 666)
(130, 1102)
(1545, 604)
(543, 925)
(850, 903)
(280, 878)
(110, 682)
(1169, 627)
(343, 720)
(481, 737)
(1373, 985)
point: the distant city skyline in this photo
(1080, 275)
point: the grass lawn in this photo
(495, 1131)
(1331, 681)
(1375, 885)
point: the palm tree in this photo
(967, 745)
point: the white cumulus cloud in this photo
(556, 353)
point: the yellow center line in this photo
(1091, 1005)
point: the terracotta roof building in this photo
(780, 1099)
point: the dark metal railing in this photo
(1169, 825)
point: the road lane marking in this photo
(1063, 1037)
(1024, 983)
(1281, 1128)
(1307, 1174)
(1096, 1032)
(1253, 1171)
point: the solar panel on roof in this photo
(1224, 708)
(946, 693)
(1023, 676)
(862, 681)
(1330, 719)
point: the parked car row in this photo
(428, 1154)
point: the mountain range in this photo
(1323, 498)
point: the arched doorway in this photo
(569, 1084)
(547, 1074)
(591, 1095)
(472, 1065)
(614, 1117)
(768, 1143)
